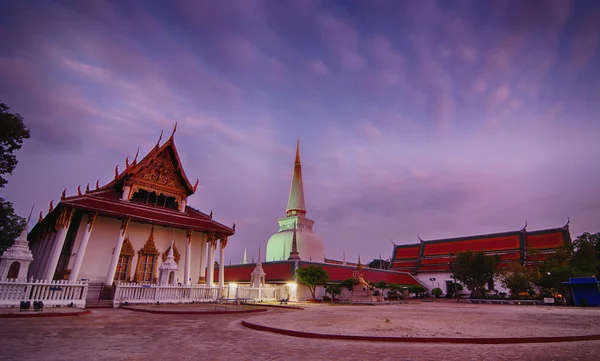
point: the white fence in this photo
(255, 293)
(55, 293)
(153, 293)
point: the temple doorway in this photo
(13, 271)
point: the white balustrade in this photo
(54, 293)
(257, 293)
(153, 293)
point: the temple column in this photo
(110, 276)
(202, 274)
(62, 226)
(91, 219)
(126, 191)
(40, 269)
(210, 259)
(188, 254)
(223, 244)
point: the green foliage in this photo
(334, 290)
(417, 290)
(437, 292)
(12, 133)
(518, 279)
(381, 285)
(11, 225)
(379, 264)
(349, 283)
(586, 255)
(312, 277)
(475, 270)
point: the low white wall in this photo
(56, 293)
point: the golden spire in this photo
(296, 204)
(79, 190)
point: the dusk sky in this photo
(441, 119)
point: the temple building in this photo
(295, 245)
(430, 261)
(124, 230)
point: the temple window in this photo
(151, 198)
(146, 268)
(124, 264)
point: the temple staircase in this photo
(359, 295)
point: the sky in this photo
(416, 118)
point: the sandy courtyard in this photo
(117, 334)
(440, 319)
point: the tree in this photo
(379, 264)
(518, 279)
(312, 277)
(12, 133)
(585, 260)
(334, 290)
(475, 270)
(11, 225)
(349, 283)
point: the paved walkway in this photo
(114, 334)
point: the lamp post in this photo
(453, 276)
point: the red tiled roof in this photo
(544, 240)
(484, 244)
(411, 251)
(282, 271)
(108, 206)
(510, 246)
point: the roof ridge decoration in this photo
(158, 171)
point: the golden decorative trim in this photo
(124, 225)
(91, 220)
(224, 242)
(127, 248)
(64, 219)
(176, 254)
(148, 249)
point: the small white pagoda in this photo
(14, 262)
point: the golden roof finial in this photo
(79, 190)
(136, 155)
(117, 171)
(51, 206)
(196, 185)
(127, 162)
(151, 233)
(97, 184)
(174, 130)
(64, 194)
(159, 139)
(40, 218)
(211, 214)
(233, 226)
(87, 188)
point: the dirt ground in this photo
(116, 334)
(441, 319)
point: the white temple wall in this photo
(442, 277)
(104, 236)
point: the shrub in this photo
(437, 292)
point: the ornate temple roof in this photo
(513, 246)
(159, 171)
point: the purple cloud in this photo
(436, 117)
